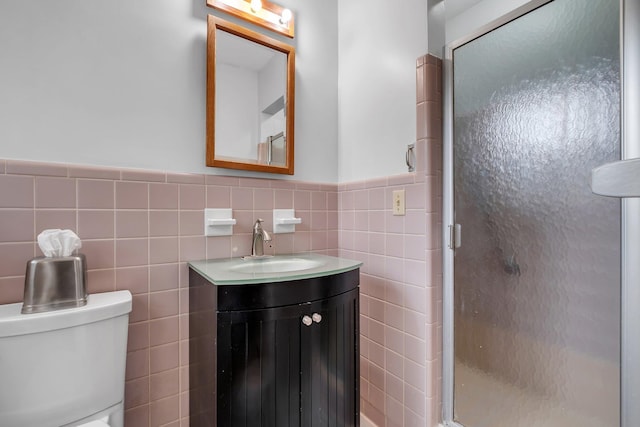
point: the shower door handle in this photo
(617, 179)
(455, 236)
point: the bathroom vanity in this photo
(274, 342)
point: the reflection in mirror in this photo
(249, 100)
(251, 85)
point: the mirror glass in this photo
(249, 100)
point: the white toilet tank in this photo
(63, 367)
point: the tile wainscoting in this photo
(139, 229)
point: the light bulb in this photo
(286, 17)
(256, 5)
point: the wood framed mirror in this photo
(250, 100)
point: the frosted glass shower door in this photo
(537, 277)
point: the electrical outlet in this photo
(398, 202)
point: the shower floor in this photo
(488, 402)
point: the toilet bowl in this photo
(64, 367)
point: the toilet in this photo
(64, 367)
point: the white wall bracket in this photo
(284, 221)
(218, 222)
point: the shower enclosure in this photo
(536, 263)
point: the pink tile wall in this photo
(139, 229)
(401, 279)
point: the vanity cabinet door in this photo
(285, 367)
(330, 363)
(258, 367)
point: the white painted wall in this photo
(437, 25)
(379, 42)
(122, 83)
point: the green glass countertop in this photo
(279, 268)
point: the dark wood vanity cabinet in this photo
(278, 354)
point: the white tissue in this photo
(56, 242)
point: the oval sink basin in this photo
(275, 265)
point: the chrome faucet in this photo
(259, 237)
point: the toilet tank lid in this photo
(99, 307)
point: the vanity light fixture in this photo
(260, 12)
(256, 5)
(285, 17)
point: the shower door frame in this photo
(630, 221)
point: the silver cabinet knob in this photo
(307, 320)
(316, 317)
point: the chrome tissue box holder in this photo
(53, 283)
